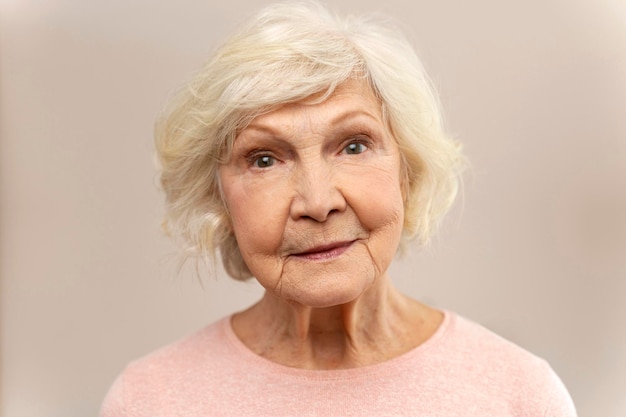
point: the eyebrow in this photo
(339, 119)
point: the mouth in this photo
(324, 252)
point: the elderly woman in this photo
(307, 151)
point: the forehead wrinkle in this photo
(293, 123)
(349, 102)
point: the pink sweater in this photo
(462, 370)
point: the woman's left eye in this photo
(355, 148)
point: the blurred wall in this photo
(535, 249)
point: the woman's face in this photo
(315, 198)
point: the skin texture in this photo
(314, 192)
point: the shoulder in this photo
(159, 378)
(502, 369)
(184, 355)
(467, 338)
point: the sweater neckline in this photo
(261, 364)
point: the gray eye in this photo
(355, 148)
(264, 161)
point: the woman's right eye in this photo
(263, 161)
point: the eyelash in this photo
(255, 156)
(357, 140)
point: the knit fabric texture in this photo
(462, 370)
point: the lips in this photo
(324, 252)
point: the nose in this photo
(317, 194)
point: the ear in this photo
(232, 259)
(405, 180)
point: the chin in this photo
(330, 291)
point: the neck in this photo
(377, 326)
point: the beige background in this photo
(536, 90)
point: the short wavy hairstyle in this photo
(285, 54)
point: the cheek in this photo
(379, 207)
(258, 217)
(379, 200)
